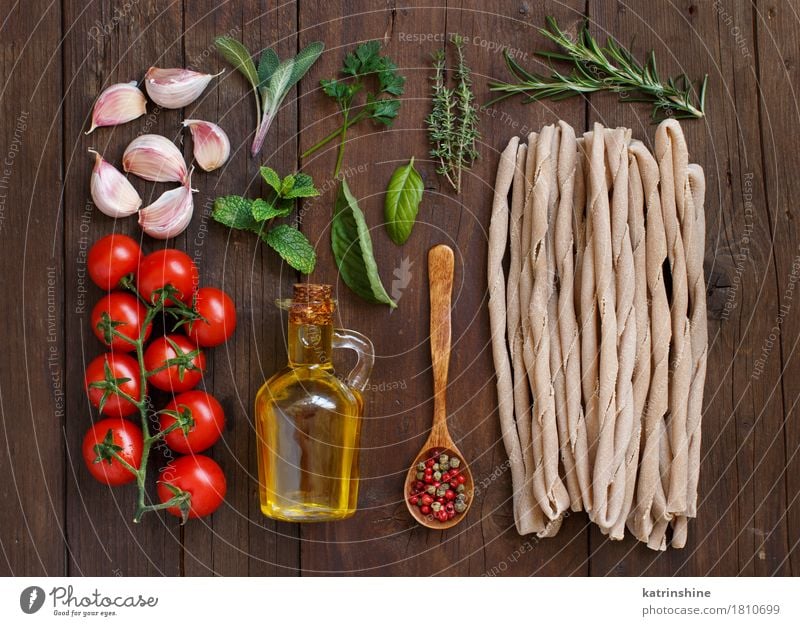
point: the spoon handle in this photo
(440, 277)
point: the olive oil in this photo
(308, 421)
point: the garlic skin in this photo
(118, 104)
(170, 214)
(155, 158)
(112, 193)
(174, 88)
(211, 145)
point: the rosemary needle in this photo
(603, 68)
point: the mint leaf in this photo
(293, 247)
(263, 210)
(271, 177)
(235, 212)
(286, 185)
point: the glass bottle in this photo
(308, 421)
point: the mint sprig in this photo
(256, 215)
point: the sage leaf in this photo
(293, 247)
(403, 196)
(352, 249)
(238, 56)
(266, 66)
(305, 59)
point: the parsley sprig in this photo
(381, 106)
(257, 215)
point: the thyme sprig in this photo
(603, 68)
(453, 121)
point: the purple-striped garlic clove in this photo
(173, 88)
(170, 214)
(118, 104)
(211, 145)
(155, 158)
(111, 191)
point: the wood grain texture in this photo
(56, 57)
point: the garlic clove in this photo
(118, 104)
(112, 193)
(154, 158)
(211, 145)
(174, 88)
(170, 214)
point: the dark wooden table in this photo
(55, 57)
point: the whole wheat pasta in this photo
(557, 370)
(649, 484)
(571, 192)
(498, 234)
(605, 296)
(521, 393)
(673, 158)
(547, 486)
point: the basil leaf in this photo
(293, 247)
(402, 202)
(352, 249)
(238, 56)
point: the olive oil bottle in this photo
(308, 421)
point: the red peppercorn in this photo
(425, 509)
(450, 494)
(450, 506)
(442, 516)
(440, 500)
(436, 483)
(413, 500)
(429, 463)
(446, 477)
(419, 485)
(454, 483)
(426, 499)
(461, 479)
(451, 514)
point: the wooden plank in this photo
(740, 452)
(32, 368)
(238, 538)
(398, 408)
(776, 35)
(102, 47)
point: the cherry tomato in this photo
(209, 420)
(167, 267)
(219, 312)
(125, 308)
(127, 436)
(121, 366)
(173, 378)
(111, 258)
(201, 477)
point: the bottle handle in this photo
(365, 352)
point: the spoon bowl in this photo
(440, 276)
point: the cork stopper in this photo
(311, 304)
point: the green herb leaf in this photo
(272, 178)
(293, 246)
(305, 59)
(352, 249)
(403, 196)
(263, 210)
(266, 66)
(238, 56)
(235, 212)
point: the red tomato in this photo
(201, 477)
(128, 436)
(219, 312)
(171, 378)
(125, 308)
(122, 366)
(111, 258)
(209, 420)
(167, 267)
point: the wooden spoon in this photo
(440, 276)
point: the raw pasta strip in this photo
(498, 234)
(548, 488)
(570, 201)
(522, 400)
(557, 370)
(672, 158)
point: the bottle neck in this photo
(310, 344)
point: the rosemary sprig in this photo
(603, 68)
(453, 121)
